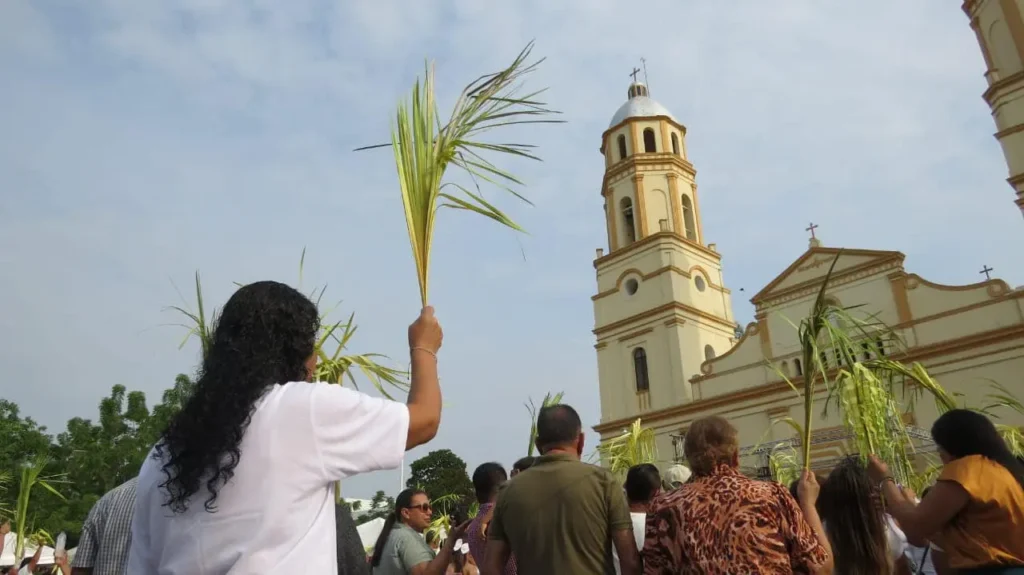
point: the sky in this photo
(143, 141)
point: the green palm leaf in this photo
(424, 149)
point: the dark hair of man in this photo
(486, 480)
(557, 426)
(642, 482)
(524, 463)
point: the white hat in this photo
(677, 475)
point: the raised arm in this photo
(424, 400)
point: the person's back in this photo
(561, 516)
(556, 518)
(107, 533)
(279, 503)
(723, 522)
(643, 484)
(242, 480)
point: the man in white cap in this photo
(676, 476)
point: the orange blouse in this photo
(989, 530)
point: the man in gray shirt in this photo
(107, 534)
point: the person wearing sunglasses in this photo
(401, 548)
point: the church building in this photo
(670, 351)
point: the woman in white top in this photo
(242, 479)
(864, 540)
(643, 483)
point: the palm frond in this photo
(548, 401)
(634, 446)
(424, 149)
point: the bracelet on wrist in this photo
(424, 350)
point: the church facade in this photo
(670, 351)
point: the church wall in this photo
(928, 299)
(619, 395)
(665, 273)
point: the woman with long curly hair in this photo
(974, 514)
(864, 539)
(242, 479)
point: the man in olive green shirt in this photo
(561, 515)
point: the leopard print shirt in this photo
(728, 524)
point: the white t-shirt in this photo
(277, 512)
(896, 539)
(639, 529)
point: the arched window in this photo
(785, 368)
(629, 226)
(649, 145)
(640, 369)
(880, 344)
(867, 350)
(799, 368)
(622, 146)
(709, 353)
(690, 231)
(675, 144)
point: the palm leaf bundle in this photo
(634, 446)
(31, 477)
(424, 149)
(548, 401)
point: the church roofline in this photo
(879, 255)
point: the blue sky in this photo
(142, 141)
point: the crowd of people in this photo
(242, 482)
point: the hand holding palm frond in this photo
(424, 149)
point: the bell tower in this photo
(661, 307)
(999, 26)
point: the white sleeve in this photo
(356, 433)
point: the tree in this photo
(441, 473)
(90, 457)
(380, 506)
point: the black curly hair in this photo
(264, 336)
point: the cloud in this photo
(143, 141)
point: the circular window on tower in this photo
(631, 286)
(698, 281)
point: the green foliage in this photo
(334, 363)
(634, 446)
(424, 149)
(380, 506)
(548, 401)
(90, 456)
(440, 473)
(31, 478)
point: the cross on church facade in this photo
(811, 229)
(985, 270)
(634, 73)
